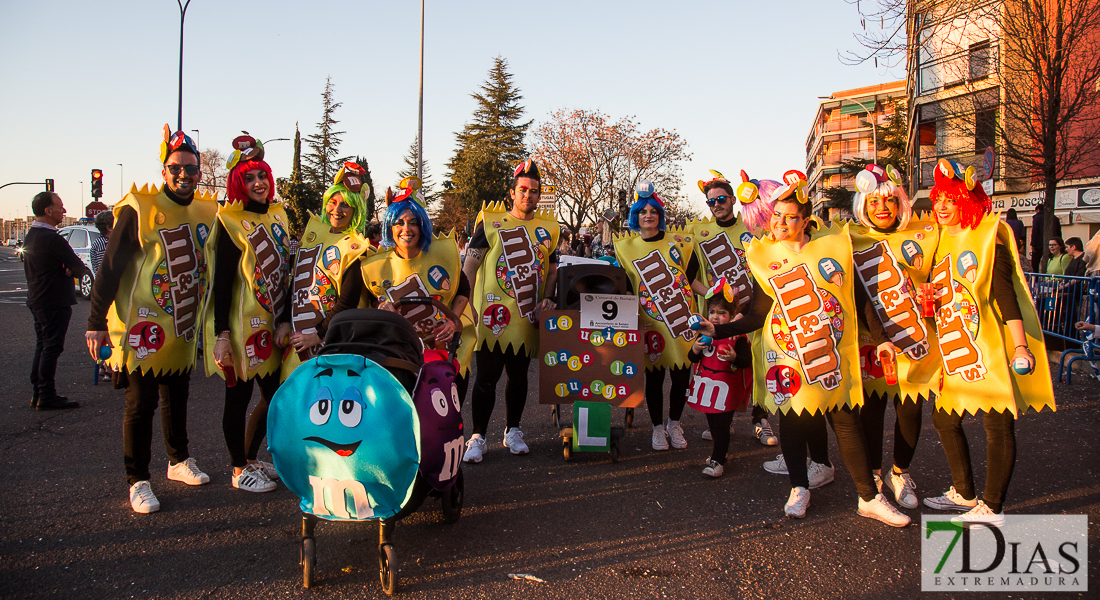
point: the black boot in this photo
(57, 403)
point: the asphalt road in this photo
(649, 526)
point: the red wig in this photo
(972, 204)
(235, 188)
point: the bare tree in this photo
(1027, 79)
(589, 160)
(214, 173)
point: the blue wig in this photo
(394, 211)
(636, 209)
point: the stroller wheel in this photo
(555, 415)
(614, 452)
(567, 448)
(387, 568)
(309, 561)
(628, 418)
(452, 500)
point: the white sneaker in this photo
(513, 441)
(252, 479)
(660, 438)
(980, 514)
(763, 432)
(797, 503)
(268, 469)
(951, 500)
(187, 472)
(676, 435)
(905, 491)
(475, 448)
(707, 436)
(880, 509)
(777, 466)
(142, 499)
(714, 469)
(819, 475)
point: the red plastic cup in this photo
(926, 292)
(889, 368)
(230, 376)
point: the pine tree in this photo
(301, 196)
(492, 143)
(427, 187)
(893, 141)
(324, 160)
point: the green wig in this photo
(353, 199)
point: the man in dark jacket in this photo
(50, 266)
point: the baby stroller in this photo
(351, 442)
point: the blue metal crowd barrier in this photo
(1062, 301)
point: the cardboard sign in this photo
(591, 427)
(618, 311)
(580, 364)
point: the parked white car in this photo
(80, 237)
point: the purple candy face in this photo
(441, 435)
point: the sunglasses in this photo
(175, 169)
(718, 200)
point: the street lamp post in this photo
(276, 140)
(198, 139)
(183, 14)
(121, 181)
(420, 121)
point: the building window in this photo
(985, 130)
(979, 60)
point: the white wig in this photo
(885, 189)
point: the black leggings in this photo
(655, 393)
(907, 426)
(719, 424)
(143, 393)
(799, 431)
(1000, 436)
(244, 442)
(758, 413)
(490, 365)
(848, 427)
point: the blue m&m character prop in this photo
(104, 352)
(695, 322)
(1022, 366)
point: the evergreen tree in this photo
(301, 196)
(427, 187)
(373, 196)
(490, 145)
(324, 160)
(893, 141)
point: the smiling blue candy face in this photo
(343, 433)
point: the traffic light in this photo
(97, 183)
(49, 185)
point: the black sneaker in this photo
(57, 403)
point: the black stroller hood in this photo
(386, 338)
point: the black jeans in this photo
(655, 393)
(490, 365)
(142, 396)
(50, 327)
(848, 427)
(244, 442)
(719, 424)
(907, 424)
(758, 413)
(800, 431)
(1000, 436)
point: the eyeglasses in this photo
(175, 169)
(718, 200)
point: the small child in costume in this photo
(723, 375)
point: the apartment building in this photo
(956, 102)
(843, 130)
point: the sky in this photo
(88, 85)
